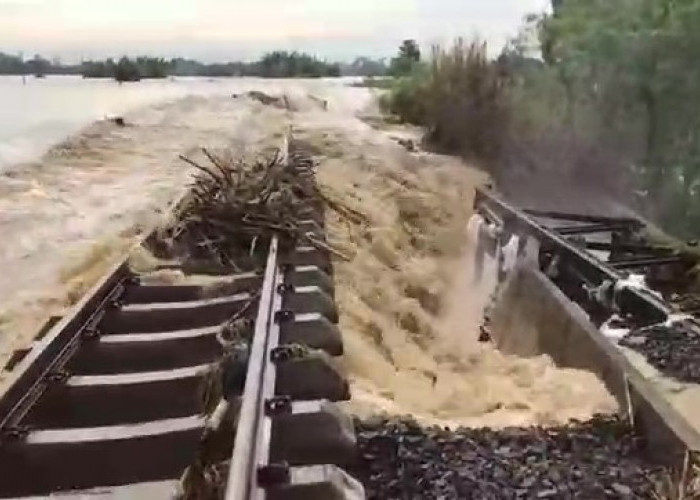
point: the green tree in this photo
(409, 56)
(38, 66)
(11, 65)
(281, 64)
(630, 71)
(127, 70)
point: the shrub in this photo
(406, 99)
(460, 97)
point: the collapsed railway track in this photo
(229, 390)
(626, 286)
(581, 292)
(180, 390)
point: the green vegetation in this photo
(15, 65)
(293, 64)
(459, 97)
(127, 70)
(11, 65)
(599, 93)
(630, 78)
(277, 64)
(407, 60)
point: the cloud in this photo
(14, 7)
(219, 27)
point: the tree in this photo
(126, 71)
(11, 65)
(281, 64)
(409, 56)
(409, 50)
(38, 66)
(630, 71)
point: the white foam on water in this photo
(675, 318)
(510, 253)
(69, 213)
(613, 333)
(530, 252)
(636, 282)
(474, 228)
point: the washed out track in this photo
(573, 286)
(627, 287)
(123, 397)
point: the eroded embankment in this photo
(409, 313)
(411, 303)
(410, 306)
(409, 310)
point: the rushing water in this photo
(66, 213)
(74, 191)
(41, 112)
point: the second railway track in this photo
(139, 392)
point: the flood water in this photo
(76, 190)
(41, 112)
(81, 201)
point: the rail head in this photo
(27, 377)
(246, 448)
(253, 432)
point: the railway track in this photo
(138, 394)
(622, 282)
(146, 390)
(605, 264)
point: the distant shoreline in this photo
(276, 64)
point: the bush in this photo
(508, 115)
(460, 97)
(406, 99)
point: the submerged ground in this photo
(409, 314)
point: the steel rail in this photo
(632, 223)
(596, 272)
(248, 442)
(251, 445)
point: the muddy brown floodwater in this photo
(409, 312)
(409, 308)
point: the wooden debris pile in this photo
(234, 209)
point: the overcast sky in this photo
(233, 29)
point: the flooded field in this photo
(409, 312)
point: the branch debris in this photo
(234, 209)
